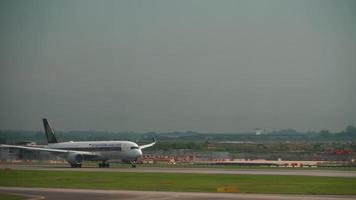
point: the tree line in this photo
(16, 136)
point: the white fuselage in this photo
(109, 150)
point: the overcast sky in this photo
(208, 66)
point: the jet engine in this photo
(75, 159)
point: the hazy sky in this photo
(209, 66)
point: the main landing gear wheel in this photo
(104, 165)
(75, 165)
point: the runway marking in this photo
(28, 196)
(59, 193)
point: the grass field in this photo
(179, 182)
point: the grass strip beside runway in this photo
(179, 182)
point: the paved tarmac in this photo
(292, 172)
(81, 194)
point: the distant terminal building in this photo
(258, 131)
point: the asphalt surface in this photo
(81, 194)
(290, 172)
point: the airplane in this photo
(76, 152)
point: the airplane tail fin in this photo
(49, 132)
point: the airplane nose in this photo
(137, 153)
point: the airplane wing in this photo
(148, 145)
(58, 151)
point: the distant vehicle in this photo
(76, 152)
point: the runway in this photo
(277, 171)
(81, 194)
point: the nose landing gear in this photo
(133, 164)
(72, 165)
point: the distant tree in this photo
(283, 147)
(351, 130)
(348, 134)
(317, 147)
(325, 134)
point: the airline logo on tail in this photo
(49, 132)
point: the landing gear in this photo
(104, 164)
(74, 165)
(133, 164)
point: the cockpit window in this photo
(134, 147)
